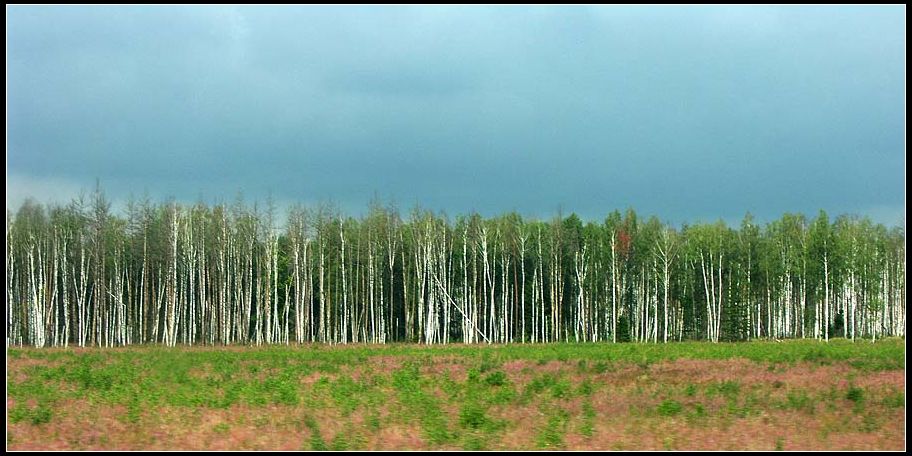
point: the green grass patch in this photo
(669, 407)
(895, 399)
(497, 378)
(472, 416)
(316, 439)
(798, 399)
(855, 394)
(587, 427)
(420, 405)
(561, 389)
(552, 435)
(728, 389)
(690, 390)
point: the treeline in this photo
(79, 274)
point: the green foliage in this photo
(742, 407)
(540, 383)
(421, 405)
(800, 400)
(895, 399)
(373, 421)
(552, 436)
(560, 389)
(698, 411)
(339, 442)
(38, 415)
(497, 378)
(139, 243)
(473, 375)
(816, 356)
(489, 362)
(502, 395)
(623, 329)
(585, 388)
(588, 419)
(728, 389)
(90, 377)
(41, 415)
(474, 443)
(346, 394)
(855, 394)
(406, 378)
(281, 390)
(18, 413)
(472, 415)
(316, 439)
(690, 390)
(669, 407)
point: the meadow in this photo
(762, 395)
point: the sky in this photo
(686, 113)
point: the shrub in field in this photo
(855, 394)
(472, 415)
(41, 415)
(540, 383)
(585, 388)
(406, 378)
(497, 378)
(669, 407)
(698, 411)
(502, 395)
(473, 375)
(91, 378)
(560, 389)
(690, 390)
(282, 390)
(38, 415)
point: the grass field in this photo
(744, 396)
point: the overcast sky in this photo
(687, 113)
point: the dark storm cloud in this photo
(686, 113)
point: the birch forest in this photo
(166, 273)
